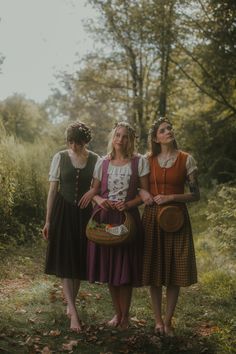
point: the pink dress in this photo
(117, 265)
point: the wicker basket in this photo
(101, 236)
(170, 218)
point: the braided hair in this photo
(78, 133)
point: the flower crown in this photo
(84, 130)
(157, 123)
(78, 131)
(126, 125)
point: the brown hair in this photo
(131, 140)
(155, 147)
(78, 132)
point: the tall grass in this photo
(23, 185)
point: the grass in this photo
(33, 310)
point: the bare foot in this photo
(114, 322)
(159, 329)
(124, 323)
(169, 330)
(75, 323)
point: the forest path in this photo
(33, 311)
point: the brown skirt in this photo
(169, 258)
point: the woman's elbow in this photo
(196, 197)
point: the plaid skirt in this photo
(169, 258)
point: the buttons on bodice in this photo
(162, 191)
(76, 186)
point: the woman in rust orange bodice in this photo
(169, 258)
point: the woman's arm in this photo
(143, 196)
(53, 188)
(192, 181)
(102, 202)
(146, 197)
(88, 196)
(122, 205)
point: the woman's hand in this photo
(45, 231)
(146, 197)
(86, 199)
(104, 203)
(162, 199)
(121, 205)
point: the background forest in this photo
(156, 57)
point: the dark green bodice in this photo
(74, 182)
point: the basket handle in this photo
(96, 210)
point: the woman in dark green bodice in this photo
(68, 211)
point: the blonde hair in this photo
(131, 140)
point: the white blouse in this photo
(119, 176)
(191, 164)
(54, 172)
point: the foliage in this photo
(203, 104)
(132, 78)
(173, 57)
(23, 184)
(22, 118)
(221, 215)
(87, 101)
(203, 132)
(215, 51)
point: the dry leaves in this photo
(137, 322)
(46, 350)
(54, 333)
(84, 294)
(69, 346)
(206, 329)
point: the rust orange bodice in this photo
(169, 180)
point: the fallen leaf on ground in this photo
(84, 295)
(69, 346)
(21, 311)
(138, 322)
(206, 329)
(46, 350)
(32, 320)
(28, 340)
(54, 333)
(38, 311)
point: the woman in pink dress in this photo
(118, 176)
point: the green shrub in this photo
(221, 215)
(23, 183)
